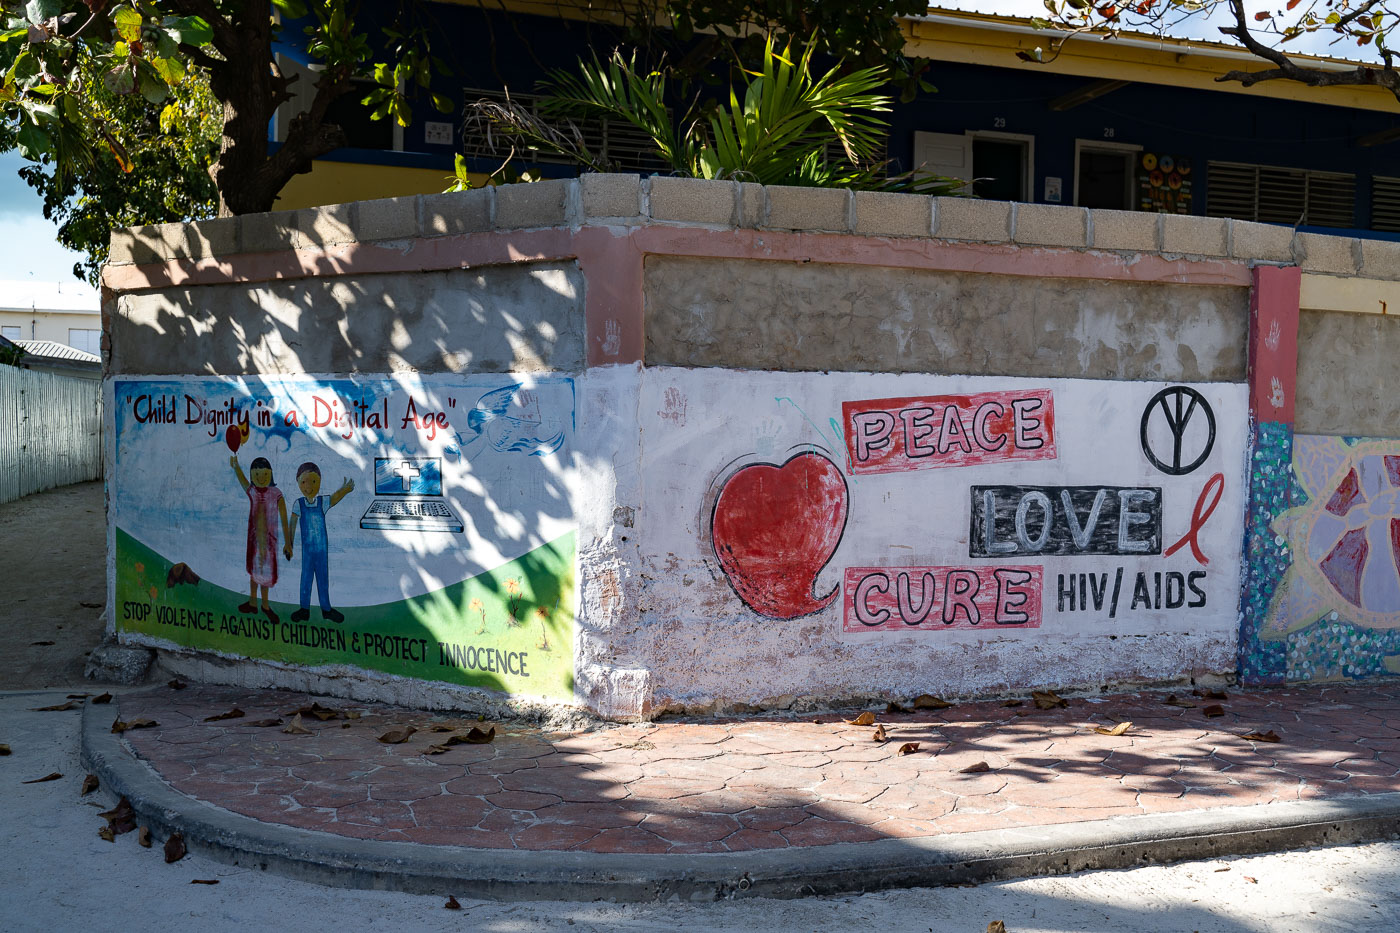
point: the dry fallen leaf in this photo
(1214, 711)
(928, 701)
(1250, 880)
(265, 723)
(880, 734)
(234, 713)
(79, 696)
(978, 768)
(1171, 700)
(1119, 729)
(89, 785)
(174, 848)
(892, 708)
(452, 904)
(436, 749)
(177, 684)
(106, 833)
(1211, 694)
(48, 777)
(397, 736)
(909, 748)
(121, 818)
(996, 926)
(866, 718)
(4, 749)
(1270, 736)
(204, 881)
(477, 737)
(143, 837)
(102, 698)
(1048, 699)
(1219, 870)
(295, 727)
(442, 727)
(322, 713)
(71, 704)
(40, 644)
(1010, 703)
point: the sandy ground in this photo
(68, 879)
(51, 549)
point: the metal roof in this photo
(50, 350)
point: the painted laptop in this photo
(409, 496)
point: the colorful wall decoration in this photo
(1333, 556)
(415, 526)
(1164, 183)
(950, 511)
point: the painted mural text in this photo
(1009, 521)
(894, 435)
(905, 598)
(344, 417)
(1097, 592)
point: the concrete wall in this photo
(520, 318)
(810, 316)
(48, 325)
(659, 299)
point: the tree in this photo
(144, 49)
(1362, 23)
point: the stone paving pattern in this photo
(765, 782)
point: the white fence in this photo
(50, 431)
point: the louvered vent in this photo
(622, 144)
(1274, 195)
(1385, 203)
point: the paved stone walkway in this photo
(763, 782)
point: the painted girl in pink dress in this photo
(266, 510)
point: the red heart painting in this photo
(775, 528)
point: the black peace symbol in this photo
(1179, 404)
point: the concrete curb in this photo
(340, 861)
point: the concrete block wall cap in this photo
(214, 236)
(824, 209)
(267, 232)
(692, 200)
(1262, 242)
(456, 212)
(1380, 259)
(534, 204)
(610, 196)
(134, 244)
(972, 219)
(1195, 236)
(753, 205)
(328, 225)
(1317, 252)
(386, 218)
(1050, 225)
(886, 213)
(1134, 231)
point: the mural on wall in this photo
(1164, 183)
(1337, 602)
(416, 526)
(971, 507)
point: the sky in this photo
(32, 251)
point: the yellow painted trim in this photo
(340, 182)
(1175, 65)
(1348, 294)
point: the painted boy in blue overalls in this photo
(311, 510)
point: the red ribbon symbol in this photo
(1199, 516)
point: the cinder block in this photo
(1265, 242)
(610, 195)
(1123, 230)
(1380, 259)
(692, 200)
(791, 208)
(1319, 253)
(267, 232)
(456, 212)
(1195, 236)
(325, 226)
(386, 219)
(972, 219)
(134, 244)
(753, 205)
(533, 204)
(216, 236)
(1050, 225)
(884, 213)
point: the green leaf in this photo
(171, 71)
(40, 10)
(119, 80)
(33, 142)
(128, 23)
(191, 30)
(442, 103)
